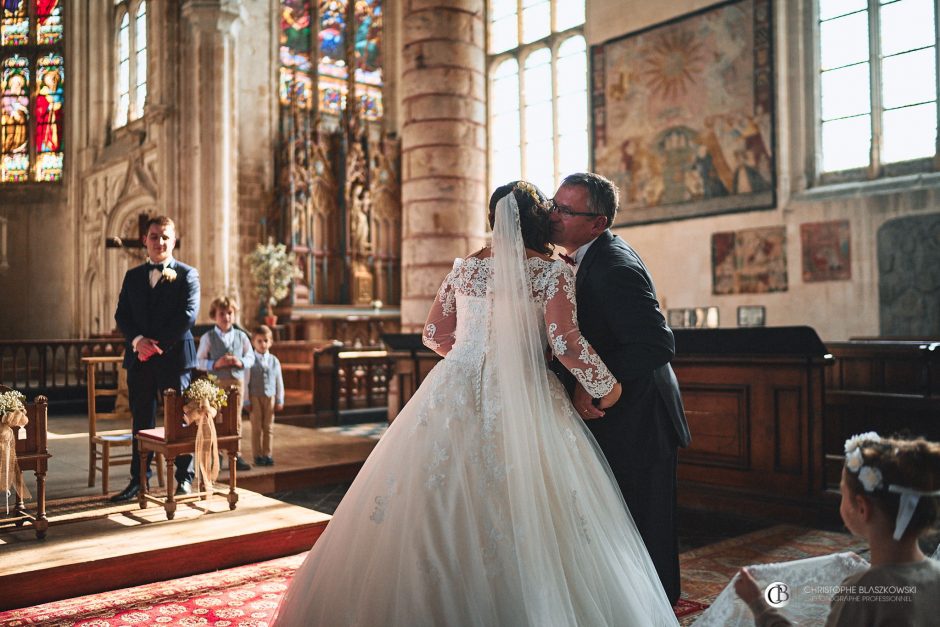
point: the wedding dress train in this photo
(470, 513)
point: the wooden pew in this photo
(883, 385)
(754, 402)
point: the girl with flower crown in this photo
(890, 489)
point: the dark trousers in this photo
(146, 381)
(650, 493)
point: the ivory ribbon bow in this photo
(207, 444)
(10, 474)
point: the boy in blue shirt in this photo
(226, 353)
(265, 395)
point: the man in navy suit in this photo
(619, 315)
(156, 311)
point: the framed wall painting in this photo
(749, 261)
(751, 316)
(826, 251)
(683, 114)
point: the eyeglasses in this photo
(568, 212)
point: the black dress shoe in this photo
(185, 487)
(268, 461)
(241, 464)
(130, 492)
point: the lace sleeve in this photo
(569, 346)
(442, 319)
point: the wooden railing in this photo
(52, 367)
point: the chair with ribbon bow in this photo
(188, 430)
(23, 447)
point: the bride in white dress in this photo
(488, 502)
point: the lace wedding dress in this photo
(472, 509)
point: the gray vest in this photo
(218, 348)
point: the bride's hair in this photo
(533, 213)
(895, 461)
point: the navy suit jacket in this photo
(165, 313)
(619, 315)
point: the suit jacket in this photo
(165, 312)
(618, 313)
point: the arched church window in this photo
(330, 54)
(130, 93)
(537, 100)
(32, 73)
(877, 88)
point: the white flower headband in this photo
(872, 480)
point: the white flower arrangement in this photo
(854, 461)
(206, 390)
(274, 269)
(856, 440)
(12, 401)
(870, 477)
(169, 275)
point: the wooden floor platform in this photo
(116, 546)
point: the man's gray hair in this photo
(603, 195)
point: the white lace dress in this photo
(427, 535)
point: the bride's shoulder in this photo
(483, 253)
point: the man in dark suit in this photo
(619, 315)
(156, 311)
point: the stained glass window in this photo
(32, 96)
(296, 64)
(296, 71)
(538, 115)
(130, 85)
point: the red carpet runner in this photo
(238, 597)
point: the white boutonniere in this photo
(169, 275)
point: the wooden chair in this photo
(100, 457)
(175, 438)
(32, 454)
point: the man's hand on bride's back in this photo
(611, 397)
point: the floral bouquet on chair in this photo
(12, 415)
(202, 401)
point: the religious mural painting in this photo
(32, 91)
(683, 114)
(826, 251)
(749, 261)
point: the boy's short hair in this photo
(262, 329)
(222, 302)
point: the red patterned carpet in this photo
(238, 597)
(247, 596)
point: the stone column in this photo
(443, 133)
(208, 160)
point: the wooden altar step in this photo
(104, 546)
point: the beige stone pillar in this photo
(443, 131)
(208, 161)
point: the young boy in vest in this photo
(226, 353)
(265, 395)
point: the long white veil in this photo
(525, 396)
(553, 594)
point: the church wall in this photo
(678, 253)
